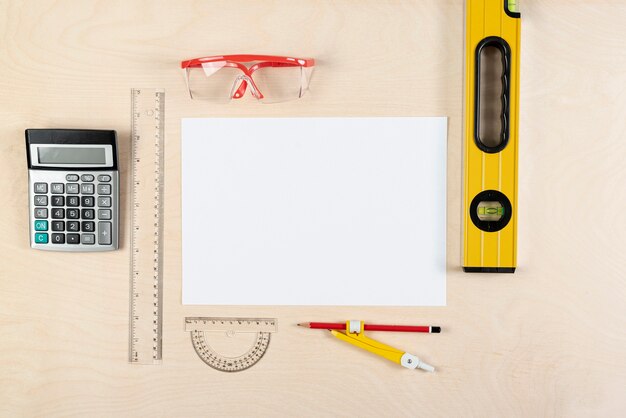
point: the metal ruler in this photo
(146, 276)
(199, 327)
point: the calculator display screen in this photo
(71, 155)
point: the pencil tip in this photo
(302, 324)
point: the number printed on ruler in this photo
(146, 276)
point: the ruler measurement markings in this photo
(146, 305)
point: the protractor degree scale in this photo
(203, 329)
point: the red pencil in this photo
(367, 327)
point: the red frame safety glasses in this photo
(271, 79)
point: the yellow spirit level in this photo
(491, 132)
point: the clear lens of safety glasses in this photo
(282, 83)
(212, 81)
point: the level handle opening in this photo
(491, 95)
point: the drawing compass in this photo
(354, 334)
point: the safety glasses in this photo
(271, 79)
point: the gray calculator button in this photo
(73, 226)
(73, 201)
(73, 238)
(41, 187)
(88, 239)
(86, 177)
(104, 202)
(71, 177)
(73, 214)
(58, 213)
(104, 177)
(41, 213)
(104, 189)
(41, 200)
(86, 188)
(57, 188)
(104, 233)
(58, 200)
(104, 214)
(58, 226)
(88, 214)
(72, 188)
(88, 226)
(58, 238)
(87, 201)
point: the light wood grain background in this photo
(547, 341)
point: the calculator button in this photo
(58, 238)
(58, 226)
(104, 177)
(86, 177)
(41, 200)
(104, 233)
(73, 238)
(86, 188)
(41, 225)
(104, 214)
(41, 187)
(58, 213)
(73, 214)
(104, 202)
(104, 189)
(72, 188)
(57, 188)
(41, 238)
(71, 177)
(89, 226)
(58, 200)
(88, 213)
(73, 201)
(88, 201)
(73, 226)
(89, 239)
(41, 213)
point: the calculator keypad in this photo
(76, 211)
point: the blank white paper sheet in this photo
(314, 211)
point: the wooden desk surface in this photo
(547, 341)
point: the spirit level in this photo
(491, 135)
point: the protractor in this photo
(218, 341)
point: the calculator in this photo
(73, 189)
